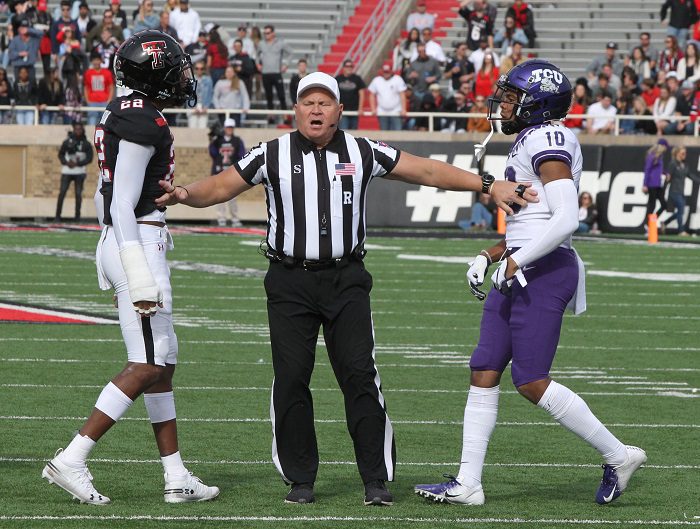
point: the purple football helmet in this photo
(543, 94)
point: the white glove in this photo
(475, 275)
(500, 282)
(142, 285)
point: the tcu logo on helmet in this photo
(545, 73)
(155, 49)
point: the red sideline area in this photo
(28, 316)
(443, 11)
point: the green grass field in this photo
(633, 356)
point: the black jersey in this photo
(134, 118)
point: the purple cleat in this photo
(451, 491)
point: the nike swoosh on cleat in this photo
(608, 499)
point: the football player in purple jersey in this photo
(538, 275)
(135, 150)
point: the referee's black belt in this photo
(313, 265)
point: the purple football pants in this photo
(525, 326)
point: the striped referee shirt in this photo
(316, 198)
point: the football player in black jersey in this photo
(135, 150)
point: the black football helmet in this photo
(154, 63)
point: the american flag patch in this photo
(345, 168)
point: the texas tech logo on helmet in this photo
(155, 49)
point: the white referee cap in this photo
(319, 80)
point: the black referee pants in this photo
(299, 302)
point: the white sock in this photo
(570, 410)
(479, 421)
(77, 451)
(173, 465)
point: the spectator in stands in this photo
(231, 93)
(99, 87)
(217, 56)
(486, 77)
(186, 22)
(25, 93)
(419, 19)
(650, 91)
(165, 27)
(683, 15)
(516, 57)
(199, 117)
(63, 21)
(688, 67)
(685, 98)
(625, 107)
(248, 46)
(297, 76)
(610, 58)
(23, 51)
(422, 72)
(119, 17)
(479, 124)
(602, 112)
(198, 50)
(507, 35)
(457, 104)
(670, 56)
(107, 48)
(673, 83)
(74, 98)
(430, 102)
(524, 20)
(243, 64)
(272, 63)
(75, 155)
(655, 177)
(480, 23)
(84, 20)
(50, 93)
(170, 5)
(648, 50)
(403, 51)
(663, 108)
(41, 20)
(387, 98)
(226, 149)
(678, 171)
(579, 105)
(256, 37)
(638, 61)
(603, 84)
(146, 17)
(640, 108)
(482, 215)
(477, 56)
(587, 213)
(432, 48)
(95, 36)
(352, 95)
(459, 69)
(6, 96)
(630, 81)
(71, 58)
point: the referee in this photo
(316, 180)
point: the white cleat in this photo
(453, 492)
(75, 481)
(636, 457)
(188, 488)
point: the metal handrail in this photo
(368, 34)
(430, 115)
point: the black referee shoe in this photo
(376, 493)
(301, 493)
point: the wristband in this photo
(185, 189)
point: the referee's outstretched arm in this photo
(208, 191)
(428, 172)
